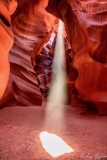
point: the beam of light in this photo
(55, 108)
(54, 145)
(54, 112)
(58, 92)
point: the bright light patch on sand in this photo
(54, 145)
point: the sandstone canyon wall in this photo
(86, 27)
(6, 41)
(30, 23)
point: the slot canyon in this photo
(53, 80)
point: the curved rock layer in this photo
(6, 42)
(29, 23)
(91, 83)
(86, 24)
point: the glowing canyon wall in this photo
(6, 42)
(86, 27)
(30, 23)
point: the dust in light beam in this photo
(58, 91)
(54, 111)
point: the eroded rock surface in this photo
(30, 23)
(85, 23)
(6, 41)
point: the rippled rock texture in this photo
(86, 27)
(30, 24)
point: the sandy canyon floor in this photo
(20, 129)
